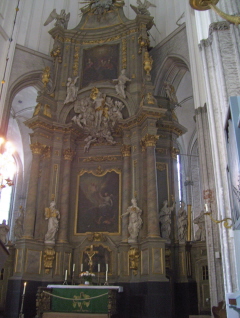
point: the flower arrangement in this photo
(87, 276)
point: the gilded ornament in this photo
(68, 154)
(143, 42)
(134, 258)
(47, 111)
(161, 150)
(46, 152)
(147, 63)
(56, 54)
(150, 99)
(124, 53)
(161, 166)
(99, 159)
(94, 93)
(97, 237)
(126, 150)
(202, 5)
(48, 258)
(150, 140)
(37, 148)
(46, 76)
(37, 109)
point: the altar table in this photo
(72, 299)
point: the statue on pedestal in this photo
(4, 229)
(53, 216)
(165, 219)
(121, 84)
(135, 221)
(71, 90)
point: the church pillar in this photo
(64, 205)
(152, 197)
(126, 187)
(29, 220)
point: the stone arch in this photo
(172, 70)
(28, 79)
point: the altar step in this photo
(71, 315)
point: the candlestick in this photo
(21, 315)
(81, 267)
(24, 287)
(66, 274)
(99, 268)
(106, 267)
(73, 267)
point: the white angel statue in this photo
(61, 19)
(142, 7)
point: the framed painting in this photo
(100, 64)
(98, 202)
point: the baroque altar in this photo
(100, 140)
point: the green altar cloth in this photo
(87, 305)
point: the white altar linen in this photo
(118, 288)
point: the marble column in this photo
(64, 203)
(152, 194)
(29, 218)
(126, 188)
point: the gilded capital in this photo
(126, 150)
(37, 148)
(68, 154)
(150, 140)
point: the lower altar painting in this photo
(98, 202)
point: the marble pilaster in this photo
(43, 195)
(126, 152)
(152, 196)
(64, 203)
(29, 220)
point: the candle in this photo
(98, 267)
(73, 267)
(206, 207)
(81, 267)
(106, 267)
(24, 287)
(66, 274)
(106, 276)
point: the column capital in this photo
(150, 140)
(37, 148)
(68, 154)
(126, 150)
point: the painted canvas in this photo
(100, 63)
(98, 202)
